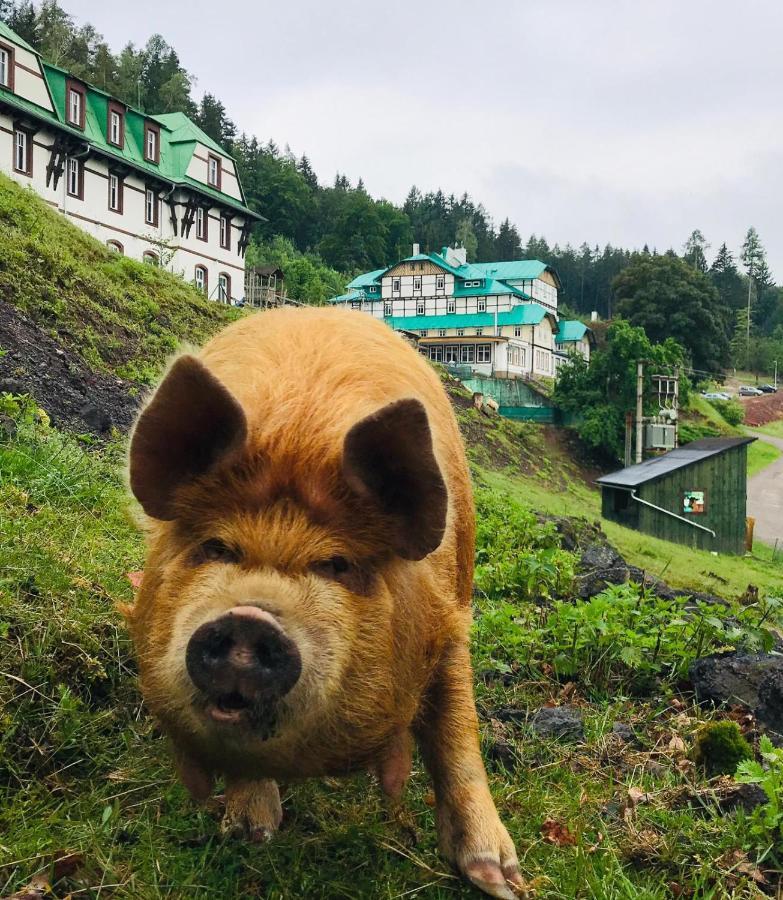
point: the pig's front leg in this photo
(253, 809)
(470, 833)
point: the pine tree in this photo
(212, 119)
(306, 171)
(24, 21)
(508, 244)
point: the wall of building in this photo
(198, 169)
(128, 229)
(29, 82)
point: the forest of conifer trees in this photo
(325, 233)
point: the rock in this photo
(499, 747)
(625, 733)
(561, 722)
(12, 386)
(736, 678)
(96, 419)
(601, 556)
(770, 706)
(742, 796)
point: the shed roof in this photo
(523, 314)
(570, 331)
(655, 468)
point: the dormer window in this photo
(7, 67)
(115, 125)
(468, 284)
(151, 143)
(75, 97)
(214, 173)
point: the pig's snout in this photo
(242, 661)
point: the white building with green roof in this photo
(499, 318)
(145, 185)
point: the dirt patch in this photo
(75, 398)
(761, 410)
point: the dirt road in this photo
(765, 498)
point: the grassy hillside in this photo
(118, 315)
(89, 804)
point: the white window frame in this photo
(114, 192)
(460, 332)
(396, 285)
(150, 202)
(417, 282)
(482, 304)
(224, 288)
(441, 332)
(483, 353)
(423, 332)
(387, 309)
(213, 172)
(21, 152)
(467, 353)
(152, 145)
(115, 127)
(440, 282)
(201, 233)
(420, 307)
(517, 331)
(200, 279)
(5, 67)
(150, 257)
(479, 332)
(72, 177)
(451, 306)
(75, 100)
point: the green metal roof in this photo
(9, 35)
(488, 288)
(570, 331)
(369, 279)
(182, 130)
(524, 314)
(514, 270)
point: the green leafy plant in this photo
(768, 775)
(732, 411)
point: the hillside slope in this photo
(80, 326)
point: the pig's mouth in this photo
(235, 710)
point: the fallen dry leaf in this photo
(557, 833)
(636, 796)
(677, 745)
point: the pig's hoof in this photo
(253, 811)
(488, 860)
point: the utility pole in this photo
(676, 406)
(776, 374)
(639, 408)
(747, 336)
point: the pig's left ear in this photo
(192, 423)
(388, 460)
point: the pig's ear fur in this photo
(388, 461)
(191, 422)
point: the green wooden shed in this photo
(694, 495)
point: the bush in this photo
(731, 410)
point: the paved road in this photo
(765, 498)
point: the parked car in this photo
(715, 395)
(750, 392)
(768, 389)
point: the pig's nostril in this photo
(242, 658)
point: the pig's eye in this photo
(215, 550)
(332, 568)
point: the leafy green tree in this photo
(695, 248)
(669, 298)
(603, 390)
(465, 236)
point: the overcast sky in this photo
(621, 121)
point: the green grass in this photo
(761, 455)
(773, 429)
(120, 315)
(83, 770)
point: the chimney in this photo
(416, 249)
(594, 316)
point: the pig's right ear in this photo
(388, 461)
(191, 422)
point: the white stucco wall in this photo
(29, 81)
(199, 170)
(129, 228)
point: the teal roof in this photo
(367, 280)
(570, 331)
(514, 270)
(488, 288)
(524, 314)
(182, 130)
(9, 35)
(347, 298)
